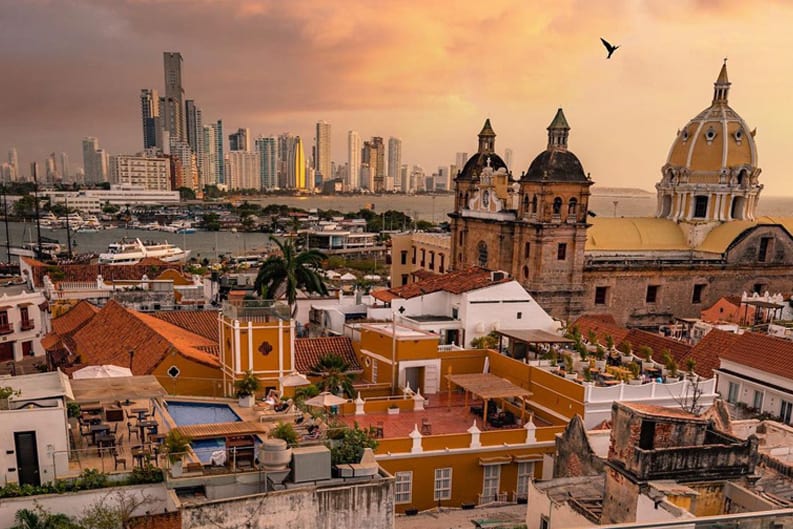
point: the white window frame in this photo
(491, 482)
(757, 400)
(785, 411)
(403, 487)
(443, 484)
(525, 473)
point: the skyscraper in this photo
(242, 170)
(220, 172)
(284, 148)
(353, 160)
(150, 118)
(296, 171)
(267, 149)
(65, 169)
(322, 150)
(394, 161)
(240, 140)
(13, 162)
(508, 158)
(208, 161)
(94, 161)
(186, 173)
(373, 154)
(460, 160)
(174, 121)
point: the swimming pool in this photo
(204, 448)
(188, 413)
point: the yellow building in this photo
(256, 335)
(415, 254)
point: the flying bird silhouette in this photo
(609, 47)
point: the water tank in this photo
(274, 455)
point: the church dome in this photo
(556, 163)
(715, 140)
(484, 157)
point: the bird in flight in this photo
(609, 47)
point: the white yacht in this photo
(131, 251)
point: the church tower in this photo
(711, 174)
(552, 224)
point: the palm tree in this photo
(39, 518)
(335, 373)
(297, 270)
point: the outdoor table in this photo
(98, 429)
(139, 454)
(140, 412)
(105, 440)
(144, 425)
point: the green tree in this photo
(25, 207)
(39, 518)
(335, 373)
(110, 209)
(353, 442)
(292, 269)
(488, 341)
(247, 222)
(211, 222)
(185, 193)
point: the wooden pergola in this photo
(527, 337)
(488, 386)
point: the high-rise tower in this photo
(322, 149)
(240, 140)
(353, 160)
(296, 171)
(174, 119)
(394, 161)
(150, 118)
(267, 147)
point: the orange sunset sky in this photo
(428, 72)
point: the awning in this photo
(527, 458)
(117, 388)
(498, 460)
(488, 386)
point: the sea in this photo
(606, 203)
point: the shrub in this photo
(285, 431)
(353, 442)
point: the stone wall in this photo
(574, 455)
(352, 506)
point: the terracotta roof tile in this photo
(174, 275)
(88, 272)
(115, 330)
(67, 324)
(603, 325)
(759, 351)
(202, 322)
(706, 353)
(465, 280)
(658, 343)
(308, 352)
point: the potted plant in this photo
(635, 370)
(176, 445)
(609, 343)
(393, 409)
(600, 357)
(569, 367)
(285, 431)
(671, 369)
(646, 353)
(626, 352)
(247, 387)
(691, 364)
(6, 392)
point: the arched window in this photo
(534, 204)
(557, 206)
(741, 177)
(481, 249)
(572, 206)
(525, 203)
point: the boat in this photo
(48, 220)
(131, 251)
(72, 220)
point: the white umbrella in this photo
(294, 379)
(106, 371)
(325, 400)
(332, 274)
(372, 277)
(348, 277)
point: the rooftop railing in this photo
(256, 309)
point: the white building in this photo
(322, 153)
(35, 435)
(92, 200)
(395, 162)
(353, 160)
(24, 321)
(242, 170)
(151, 173)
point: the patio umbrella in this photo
(325, 400)
(294, 379)
(348, 277)
(106, 371)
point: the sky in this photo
(426, 72)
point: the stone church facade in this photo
(704, 242)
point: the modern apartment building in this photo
(150, 173)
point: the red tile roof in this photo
(603, 325)
(115, 331)
(454, 282)
(308, 352)
(88, 272)
(67, 324)
(202, 322)
(706, 353)
(764, 353)
(658, 343)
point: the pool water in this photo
(188, 413)
(203, 448)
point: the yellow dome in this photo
(714, 141)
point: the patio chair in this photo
(118, 460)
(132, 429)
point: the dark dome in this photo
(477, 162)
(555, 165)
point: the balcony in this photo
(27, 325)
(6, 328)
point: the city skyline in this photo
(425, 83)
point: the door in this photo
(6, 351)
(27, 458)
(415, 377)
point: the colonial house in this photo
(24, 320)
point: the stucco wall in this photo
(51, 438)
(369, 505)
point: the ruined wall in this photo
(620, 499)
(574, 455)
(369, 504)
